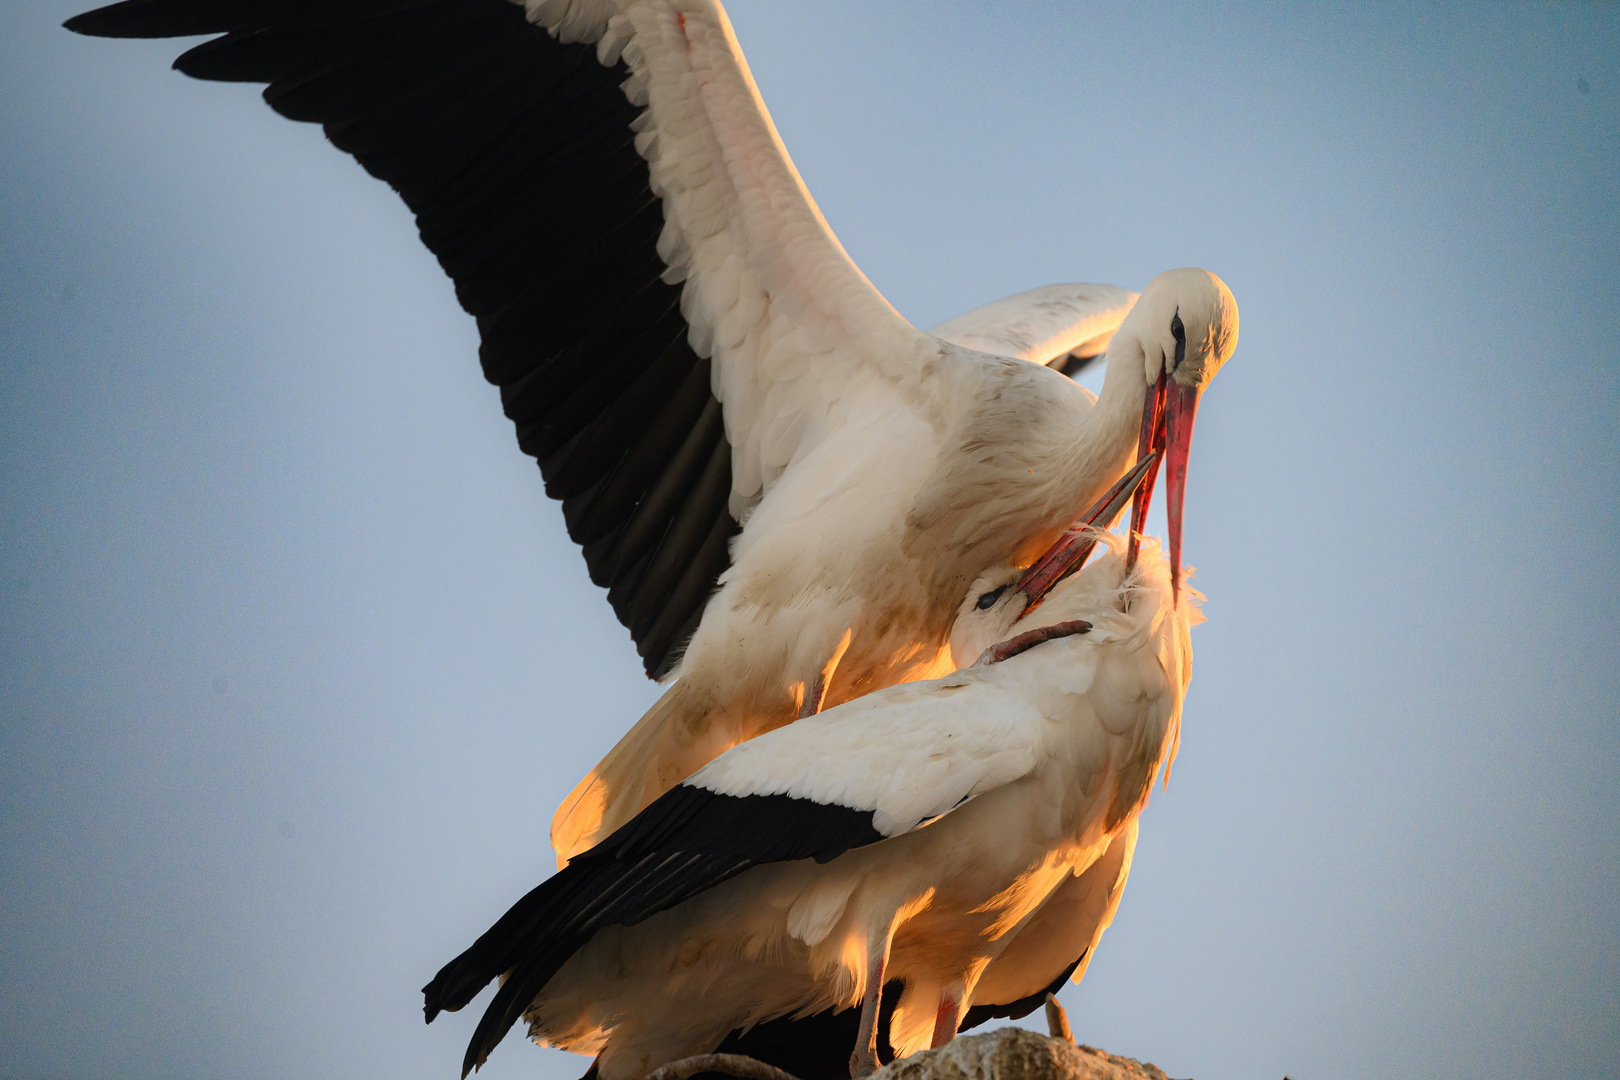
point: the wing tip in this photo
(163, 19)
(83, 23)
(121, 20)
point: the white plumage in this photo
(909, 753)
(686, 348)
(877, 469)
(1064, 931)
(1043, 325)
(968, 812)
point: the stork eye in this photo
(1178, 331)
(988, 600)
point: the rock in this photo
(1016, 1054)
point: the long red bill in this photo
(1150, 439)
(1181, 406)
(1071, 549)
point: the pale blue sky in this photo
(295, 659)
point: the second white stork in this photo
(913, 835)
(783, 484)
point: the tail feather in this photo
(492, 955)
(514, 996)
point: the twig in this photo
(738, 1065)
(1057, 1021)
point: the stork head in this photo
(987, 614)
(997, 610)
(1184, 327)
(1004, 595)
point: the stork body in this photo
(915, 834)
(839, 581)
(1054, 946)
(783, 484)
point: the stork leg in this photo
(864, 1060)
(818, 689)
(1057, 1020)
(948, 1017)
(813, 697)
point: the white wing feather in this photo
(793, 326)
(1044, 324)
(908, 753)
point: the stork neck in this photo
(1106, 443)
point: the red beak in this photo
(1167, 425)
(1181, 406)
(1150, 439)
(1071, 549)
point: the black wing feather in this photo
(515, 153)
(687, 841)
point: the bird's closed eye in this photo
(989, 598)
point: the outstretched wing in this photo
(857, 774)
(667, 315)
(1061, 326)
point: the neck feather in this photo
(1105, 443)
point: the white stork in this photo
(713, 389)
(914, 834)
(1056, 943)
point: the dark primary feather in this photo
(687, 841)
(515, 154)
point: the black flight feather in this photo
(687, 841)
(516, 155)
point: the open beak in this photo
(1167, 426)
(1070, 551)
